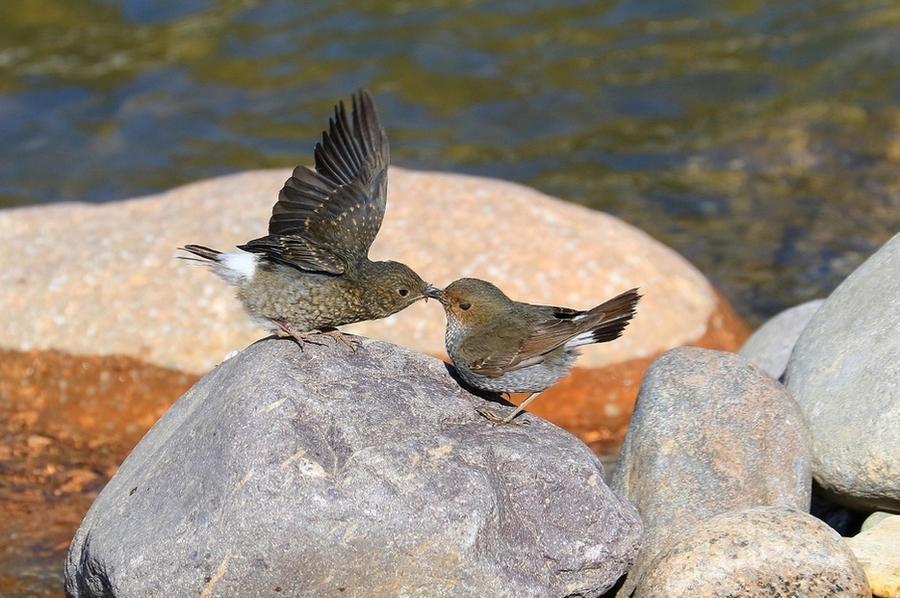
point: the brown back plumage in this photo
(569, 327)
(493, 335)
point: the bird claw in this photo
(314, 337)
(500, 420)
(353, 342)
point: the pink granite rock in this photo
(103, 278)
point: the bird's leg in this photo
(502, 421)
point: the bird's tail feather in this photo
(200, 251)
(230, 267)
(607, 321)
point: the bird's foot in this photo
(301, 338)
(313, 337)
(501, 420)
(339, 337)
(509, 419)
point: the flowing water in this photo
(760, 139)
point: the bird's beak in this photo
(432, 292)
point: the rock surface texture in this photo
(96, 312)
(877, 548)
(102, 279)
(844, 374)
(771, 345)
(710, 433)
(329, 472)
(756, 553)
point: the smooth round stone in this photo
(877, 548)
(327, 471)
(844, 374)
(771, 345)
(756, 552)
(710, 433)
(103, 279)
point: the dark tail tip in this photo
(618, 312)
(201, 251)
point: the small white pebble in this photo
(230, 355)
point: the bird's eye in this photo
(403, 292)
(465, 306)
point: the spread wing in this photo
(328, 217)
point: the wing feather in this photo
(327, 217)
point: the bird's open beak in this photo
(432, 292)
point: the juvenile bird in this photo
(505, 346)
(312, 272)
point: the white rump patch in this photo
(234, 267)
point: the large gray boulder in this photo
(331, 472)
(710, 433)
(844, 374)
(770, 347)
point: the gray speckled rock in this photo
(757, 552)
(845, 374)
(710, 433)
(328, 472)
(770, 347)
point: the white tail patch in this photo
(235, 267)
(585, 338)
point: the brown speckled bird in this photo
(312, 272)
(505, 346)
